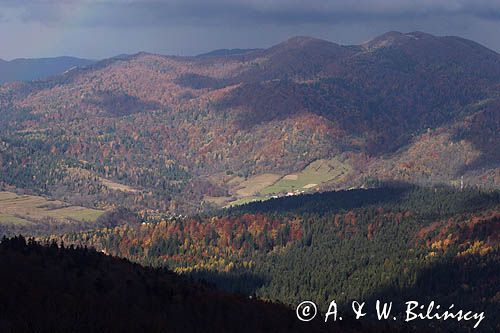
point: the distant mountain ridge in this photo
(34, 69)
(225, 52)
(304, 115)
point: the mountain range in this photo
(347, 172)
(35, 69)
(186, 133)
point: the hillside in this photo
(391, 243)
(54, 289)
(36, 69)
(188, 133)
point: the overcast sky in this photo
(103, 28)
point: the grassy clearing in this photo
(17, 209)
(11, 219)
(265, 186)
(76, 213)
(312, 176)
(106, 182)
(245, 200)
(256, 184)
(117, 186)
(219, 201)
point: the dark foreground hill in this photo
(53, 289)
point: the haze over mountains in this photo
(179, 133)
(35, 69)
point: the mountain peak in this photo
(395, 38)
(225, 52)
(301, 41)
(305, 44)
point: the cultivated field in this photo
(265, 186)
(312, 176)
(27, 209)
(256, 184)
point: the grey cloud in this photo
(169, 12)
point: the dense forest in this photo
(68, 289)
(392, 242)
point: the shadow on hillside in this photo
(483, 131)
(427, 202)
(327, 202)
(53, 289)
(233, 282)
(470, 283)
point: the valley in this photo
(245, 181)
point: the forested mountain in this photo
(405, 127)
(395, 243)
(186, 133)
(53, 289)
(36, 69)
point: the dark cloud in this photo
(169, 12)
